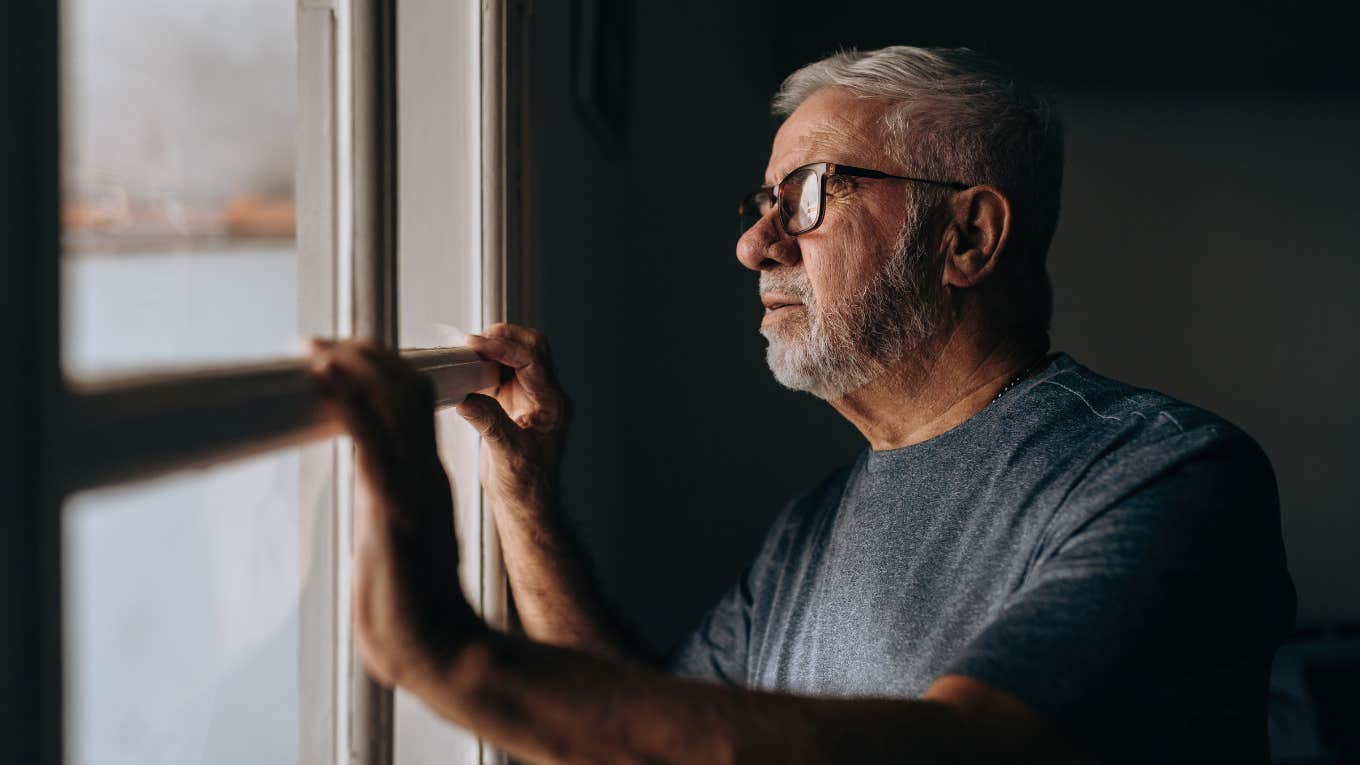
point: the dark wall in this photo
(1209, 248)
(1161, 45)
(30, 533)
(1203, 250)
(683, 448)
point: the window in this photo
(231, 178)
(178, 206)
(198, 623)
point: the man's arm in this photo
(523, 428)
(550, 704)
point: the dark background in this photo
(1207, 248)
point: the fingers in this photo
(377, 368)
(375, 384)
(487, 417)
(389, 363)
(526, 352)
(388, 406)
(522, 345)
(373, 444)
(502, 351)
(525, 336)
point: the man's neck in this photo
(938, 387)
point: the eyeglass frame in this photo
(823, 170)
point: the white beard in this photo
(832, 351)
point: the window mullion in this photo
(374, 179)
(321, 633)
(499, 145)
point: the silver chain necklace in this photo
(1029, 370)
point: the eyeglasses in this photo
(801, 196)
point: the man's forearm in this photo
(555, 593)
(546, 704)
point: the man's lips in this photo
(775, 302)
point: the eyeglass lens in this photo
(754, 207)
(800, 200)
(800, 203)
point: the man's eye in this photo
(839, 184)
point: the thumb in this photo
(487, 417)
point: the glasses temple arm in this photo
(863, 173)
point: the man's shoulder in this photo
(1123, 417)
(1134, 438)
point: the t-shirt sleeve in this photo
(1161, 581)
(719, 650)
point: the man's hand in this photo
(524, 425)
(410, 615)
(523, 428)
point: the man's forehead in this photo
(830, 127)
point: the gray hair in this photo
(958, 116)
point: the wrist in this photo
(453, 685)
(532, 503)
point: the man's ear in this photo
(976, 233)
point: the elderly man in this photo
(1029, 562)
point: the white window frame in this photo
(67, 437)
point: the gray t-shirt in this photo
(1109, 555)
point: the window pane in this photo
(199, 618)
(439, 241)
(178, 176)
(440, 281)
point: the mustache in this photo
(789, 283)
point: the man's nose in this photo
(766, 245)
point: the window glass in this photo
(198, 616)
(439, 278)
(439, 172)
(178, 212)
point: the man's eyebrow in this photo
(823, 145)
